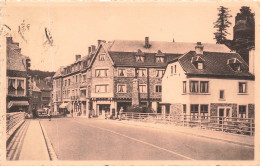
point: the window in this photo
(73, 79)
(194, 86)
(184, 90)
(20, 87)
(84, 77)
(68, 82)
(159, 73)
(101, 88)
(46, 98)
(76, 78)
(221, 94)
(11, 87)
(242, 87)
(204, 85)
(101, 57)
(175, 68)
(159, 59)
(121, 88)
(79, 77)
(171, 69)
(242, 111)
(83, 93)
(204, 110)
(101, 72)
(158, 88)
(142, 88)
(139, 58)
(200, 65)
(194, 108)
(121, 72)
(65, 83)
(16, 87)
(141, 72)
(184, 108)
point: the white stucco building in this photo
(209, 83)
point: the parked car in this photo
(41, 113)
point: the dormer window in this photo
(139, 57)
(198, 62)
(235, 64)
(159, 57)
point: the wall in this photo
(106, 64)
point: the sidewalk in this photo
(34, 146)
(216, 135)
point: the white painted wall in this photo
(173, 88)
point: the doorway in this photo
(224, 113)
(103, 108)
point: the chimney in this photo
(199, 48)
(78, 57)
(99, 41)
(147, 44)
(89, 50)
(252, 61)
(93, 48)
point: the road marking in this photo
(123, 135)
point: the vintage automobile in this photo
(42, 113)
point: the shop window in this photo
(194, 111)
(204, 111)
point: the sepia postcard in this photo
(129, 82)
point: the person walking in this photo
(49, 114)
(120, 113)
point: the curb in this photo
(198, 135)
(49, 146)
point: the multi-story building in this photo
(209, 83)
(122, 73)
(17, 78)
(57, 90)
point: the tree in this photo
(222, 24)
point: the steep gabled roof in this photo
(15, 60)
(42, 85)
(58, 72)
(215, 64)
(163, 46)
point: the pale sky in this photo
(75, 27)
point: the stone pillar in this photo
(135, 92)
(154, 106)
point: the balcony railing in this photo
(13, 121)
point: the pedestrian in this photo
(49, 114)
(120, 113)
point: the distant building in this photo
(41, 91)
(17, 78)
(208, 83)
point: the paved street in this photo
(94, 139)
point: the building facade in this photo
(119, 74)
(209, 84)
(17, 78)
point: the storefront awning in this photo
(17, 103)
(63, 105)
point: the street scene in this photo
(94, 93)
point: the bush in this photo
(139, 109)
